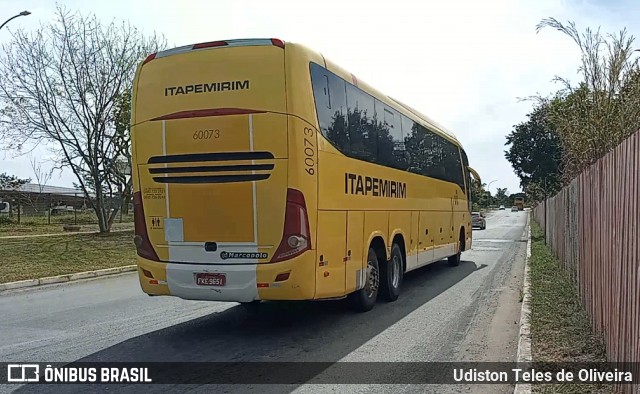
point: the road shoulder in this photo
(21, 284)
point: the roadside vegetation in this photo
(560, 327)
(31, 258)
(569, 130)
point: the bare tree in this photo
(42, 177)
(60, 85)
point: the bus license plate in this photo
(209, 279)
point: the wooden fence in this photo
(593, 227)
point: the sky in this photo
(464, 63)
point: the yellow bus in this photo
(519, 202)
(263, 171)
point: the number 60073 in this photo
(206, 134)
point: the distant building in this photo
(33, 199)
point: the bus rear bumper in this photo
(240, 282)
(243, 282)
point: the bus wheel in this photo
(391, 275)
(364, 299)
(454, 260)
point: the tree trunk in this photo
(98, 206)
(126, 196)
(111, 218)
(126, 200)
(102, 222)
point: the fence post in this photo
(75, 211)
(545, 210)
(49, 210)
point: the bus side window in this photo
(433, 150)
(327, 92)
(450, 159)
(331, 105)
(467, 176)
(362, 125)
(320, 85)
(413, 144)
(390, 141)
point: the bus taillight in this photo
(277, 42)
(141, 239)
(296, 235)
(149, 58)
(211, 44)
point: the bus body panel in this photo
(300, 101)
(249, 77)
(412, 250)
(400, 224)
(303, 164)
(355, 263)
(331, 248)
(158, 284)
(427, 233)
(182, 217)
(376, 225)
(300, 284)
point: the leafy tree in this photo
(537, 191)
(502, 196)
(535, 149)
(481, 198)
(11, 182)
(62, 85)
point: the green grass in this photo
(560, 327)
(31, 258)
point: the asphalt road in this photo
(465, 313)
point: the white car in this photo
(501, 207)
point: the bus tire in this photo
(364, 299)
(454, 260)
(391, 275)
